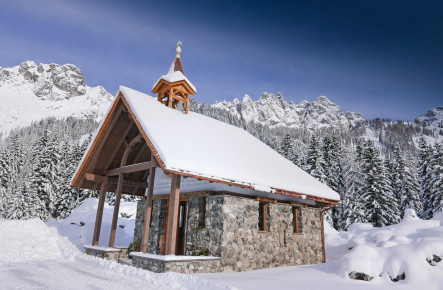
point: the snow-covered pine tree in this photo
(4, 181)
(45, 174)
(425, 177)
(16, 162)
(436, 192)
(404, 183)
(30, 203)
(315, 162)
(65, 200)
(333, 169)
(287, 150)
(379, 203)
(351, 206)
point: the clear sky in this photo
(380, 58)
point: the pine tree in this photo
(287, 150)
(404, 183)
(65, 201)
(4, 181)
(425, 177)
(333, 169)
(379, 203)
(45, 174)
(315, 163)
(351, 205)
(436, 192)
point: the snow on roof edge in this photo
(175, 77)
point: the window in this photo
(201, 220)
(296, 221)
(262, 216)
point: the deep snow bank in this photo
(409, 250)
(79, 226)
(32, 240)
(35, 254)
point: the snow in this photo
(380, 252)
(217, 150)
(175, 76)
(82, 235)
(38, 255)
(163, 186)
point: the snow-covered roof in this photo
(174, 75)
(200, 146)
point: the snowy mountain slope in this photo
(30, 92)
(275, 111)
(433, 117)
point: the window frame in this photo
(296, 213)
(263, 212)
(202, 221)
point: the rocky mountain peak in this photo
(31, 91)
(275, 111)
(47, 81)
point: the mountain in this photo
(31, 92)
(274, 111)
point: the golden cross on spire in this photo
(178, 50)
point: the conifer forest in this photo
(377, 178)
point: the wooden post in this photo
(118, 195)
(323, 237)
(170, 98)
(99, 215)
(187, 105)
(171, 234)
(148, 211)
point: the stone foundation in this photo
(113, 254)
(189, 266)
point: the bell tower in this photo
(173, 87)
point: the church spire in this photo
(174, 87)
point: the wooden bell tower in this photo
(174, 87)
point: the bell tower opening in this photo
(173, 87)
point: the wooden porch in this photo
(122, 162)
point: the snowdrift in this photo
(411, 250)
(49, 255)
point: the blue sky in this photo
(380, 58)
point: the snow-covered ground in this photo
(38, 255)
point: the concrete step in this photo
(125, 261)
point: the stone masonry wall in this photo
(243, 247)
(209, 236)
(231, 233)
(154, 242)
(186, 267)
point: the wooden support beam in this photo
(105, 136)
(132, 168)
(99, 215)
(171, 233)
(148, 211)
(118, 195)
(114, 180)
(118, 145)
